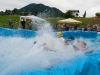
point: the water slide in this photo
(84, 64)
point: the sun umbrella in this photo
(69, 20)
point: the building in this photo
(75, 12)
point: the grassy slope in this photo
(84, 20)
(4, 20)
(89, 20)
(15, 18)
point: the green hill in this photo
(42, 10)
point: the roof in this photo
(74, 10)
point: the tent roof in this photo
(69, 20)
(31, 17)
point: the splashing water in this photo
(17, 54)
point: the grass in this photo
(89, 20)
(83, 20)
(15, 18)
(4, 20)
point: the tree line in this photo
(15, 11)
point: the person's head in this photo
(35, 42)
(59, 34)
(71, 38)
(21, 19)
(73, 28)
(10, 20)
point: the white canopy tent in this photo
(69, 20)
(30, 17)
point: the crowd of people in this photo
(67, 27)
(59, 27)
(22, 23)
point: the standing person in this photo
(16, 24)
(30, 24)
(10, 23)
(23, 23)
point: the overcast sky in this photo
(91, 6)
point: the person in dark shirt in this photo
(10, 24)
(23, 23)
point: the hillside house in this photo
(75, 12)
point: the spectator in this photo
(59, 27)
(23, 23)
(16, 24)
(10, 23)
(89, 28)
(66, 27)
(72, 29)
(83, 29)
(30, 24)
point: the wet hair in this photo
(72, 38)
(35, 42)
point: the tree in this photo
(97, 14)
(15, 11)
(84, 15)
(35, 13)
(68, 14)
(8, 12)
(1, 13)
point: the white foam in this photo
(16, 53)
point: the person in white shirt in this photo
(80, 44)
(38, 44)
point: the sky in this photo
(90, 6)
